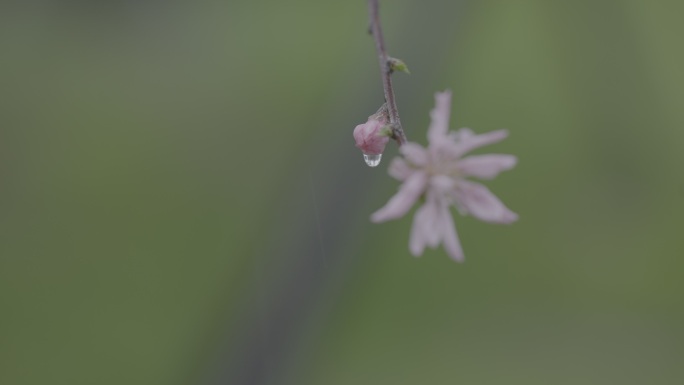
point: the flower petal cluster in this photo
(438, 173)
(370, 137)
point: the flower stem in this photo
(385, 72)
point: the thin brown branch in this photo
(385, 72)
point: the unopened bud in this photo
(371, 137)
(398, 65)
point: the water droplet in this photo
(372, 160)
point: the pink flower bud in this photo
(370, 137)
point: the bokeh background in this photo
(181, 201)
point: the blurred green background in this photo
(181, 201)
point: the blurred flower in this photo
(372, 136)
(438, 173)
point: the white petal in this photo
(467, 141)
(450, 237)
(399, 169)
(402, 201)
(478, 201)
(486, 166)
(414, 153)
(439, 116)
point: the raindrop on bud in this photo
(372, 160)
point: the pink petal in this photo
(431, 224)
(468, 141)
(449, 236)
(486, 166)
(439, 117)
(417, 238)
(402, 201)
(442, 185)
(399, 169)
(445, 151)
(478, 201)
(414, 153)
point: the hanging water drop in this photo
(372, 160)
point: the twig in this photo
(385, 73)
